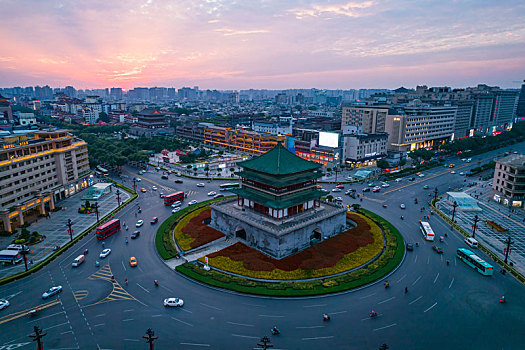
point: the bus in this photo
(102, 170)
(474, 261)
(426, 230)
(227, 187)
(174, 197)
(108, 229)
(10, 256)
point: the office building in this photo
(360, 149)
(273, 128)
(371, 118)
(420, 126)
(36, 169)
(509, 180)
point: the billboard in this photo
(290, 144)
(329, 139)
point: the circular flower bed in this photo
(191, 232)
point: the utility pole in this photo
(134, 184)
(149, 338)
(96, 210)
(118, 197)
(508, 241)
(24, 252)
(69, 230)
(38, 337)
(475, 226)
(265, 343)
(454, 206)
(435, 194)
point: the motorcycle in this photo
(387, 285)
(156, 283)
(97, 264)
(86, 251)
(32, 312)
(502, 300)
(373, 313)
(402, 218)
(275, 331)
(326, 317)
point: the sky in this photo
(264, 44)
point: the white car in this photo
(157, 168)
(399, 179)
(176, 302)
(323, 190)
(200, 185)
(349, 178)
(52, 291)
(421, 175)
(137, 179)
(461, 173)
(452, 172)
(176, 204)
(212, 193)
(402, 206)
(105, 253)
(193, 202)
(174, 210)
(385, 185)
(338, 199)
(154, 188)
(139, 223)
(336, 190)
(3, 304)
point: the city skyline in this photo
(274, 45)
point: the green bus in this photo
(474, 261)
(227, 187)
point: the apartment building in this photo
(420, 126)
(509, 180)
(36, 169)
(371, 118)
(241, 139)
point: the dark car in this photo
(411, 178)
(366, 189)
(410, 247)
(178, 181)
(437, 249)
(154, 220)
(165, 177)
(135, 234)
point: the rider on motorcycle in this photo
(387, 284)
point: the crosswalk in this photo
(80, 294)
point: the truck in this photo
(10, 256)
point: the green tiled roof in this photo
(279, 161)
(278, 202)
(281, 181)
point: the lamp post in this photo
(118, 197)
(476, 219)
(38, 337)
(96, 210)
(149, 338)
(24, 252)
(134, 184)
(435, 193)
(69, 230)
(265, 343)
(454, 206)
(508, 241)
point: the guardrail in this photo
(484, 249)
(69, 244)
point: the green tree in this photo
(356, 207)
(402, 162)
(103, 116)
(382, 164)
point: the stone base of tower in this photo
(278, 238)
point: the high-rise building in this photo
(370, 118)
(115, 94)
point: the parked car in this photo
(376, 189)
(385, 184)
(105, 253)
(399, 179)
(154, 220)
(173, 302)
(338, 199)
(52, 291)
(133, 261)
(426, 187)
(135, 234)
(452, 172)
(138, 179)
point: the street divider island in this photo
(364, 253)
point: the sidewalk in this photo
(55, 228)
(213, 247)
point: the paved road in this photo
(450, 307)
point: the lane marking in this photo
(416, 280)
(270, 316)
(128, 319)
(143, 288)
(428, 260)
(123, 265)
(384, 301)
(126, 339)
(338, 312)
(391, 325)
(240, 324)
(245, 336)
(58, 325)
(104, 314)
(66, 332)
(318, 305)
(369, 318)
(195, 344)
(186, 323)
(430, 307)
(99, 325)
(415, 260)
(254, 305)
(317, 338)
(366, 296)
(211, 307)
(157, 315)
(412, 302)
(128, 310)
(308, 327)
(450, 285)
(399, 280)
(42, 318)
(435, 279)
(188, 311)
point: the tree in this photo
(330, 197)
(103, 116)
(329, 169)
(382, 164)
(356, 207)
(402, 162)
(207, 169)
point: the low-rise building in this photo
(37, 168)
(364, 149)
(509, 180)
(241, 139)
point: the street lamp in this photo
(25, 250)
(96, 210)
(476, 219)
(149, 338)
(134, 184)
(265, 343)
(508, 241)
(435, 193)
(69, 230)
(118, 197)
(38, 337)
(454, 206)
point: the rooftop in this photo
(515, 160)
(279, 161)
